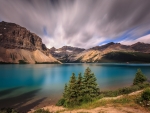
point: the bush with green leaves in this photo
(144, 100)
(140, 78)
(61, 102)
(80, 90)
(125, 90)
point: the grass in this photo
(125, 90)
(125, 101)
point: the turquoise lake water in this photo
(44, 83)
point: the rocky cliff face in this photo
(65, 53)
(14, 37)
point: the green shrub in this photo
(144, 100)
(125, 90)
(101, 96)
(146, 95)
(110, 93)
(60, 102)
(143, 85)
(135, 88)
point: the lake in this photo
(28, 86)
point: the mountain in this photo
(142, 47)
(64, 53)
(19, 45)
(111, 52)
(111, 45)
(114, 52)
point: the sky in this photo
(81, 23)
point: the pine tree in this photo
(79, 88)
(65, 92)
(139, 78)
(90, 87)
(72, 93)
(84, 89)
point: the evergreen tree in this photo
(65, 92)
(90, 87)
(139, 78)
(79, 88)
(82, 89)
(71, 92)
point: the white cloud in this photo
(144, 39)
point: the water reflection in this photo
(23, 102)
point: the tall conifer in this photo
(139, 78)
(82, 89)
(90, 87)
(65, 92)
(72, 93)
(79, 88)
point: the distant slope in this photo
(114, 52)
(18, 45)
(24, 56)
(141, 47)
(126, 57)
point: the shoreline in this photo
(109, 108)
(30, 106)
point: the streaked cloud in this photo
(80, 23)
(144, 39)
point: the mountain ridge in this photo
(97, 53)
(17, 44)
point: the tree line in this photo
(84, 88)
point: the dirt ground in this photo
(107, 109)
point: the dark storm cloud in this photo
(83, 23)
